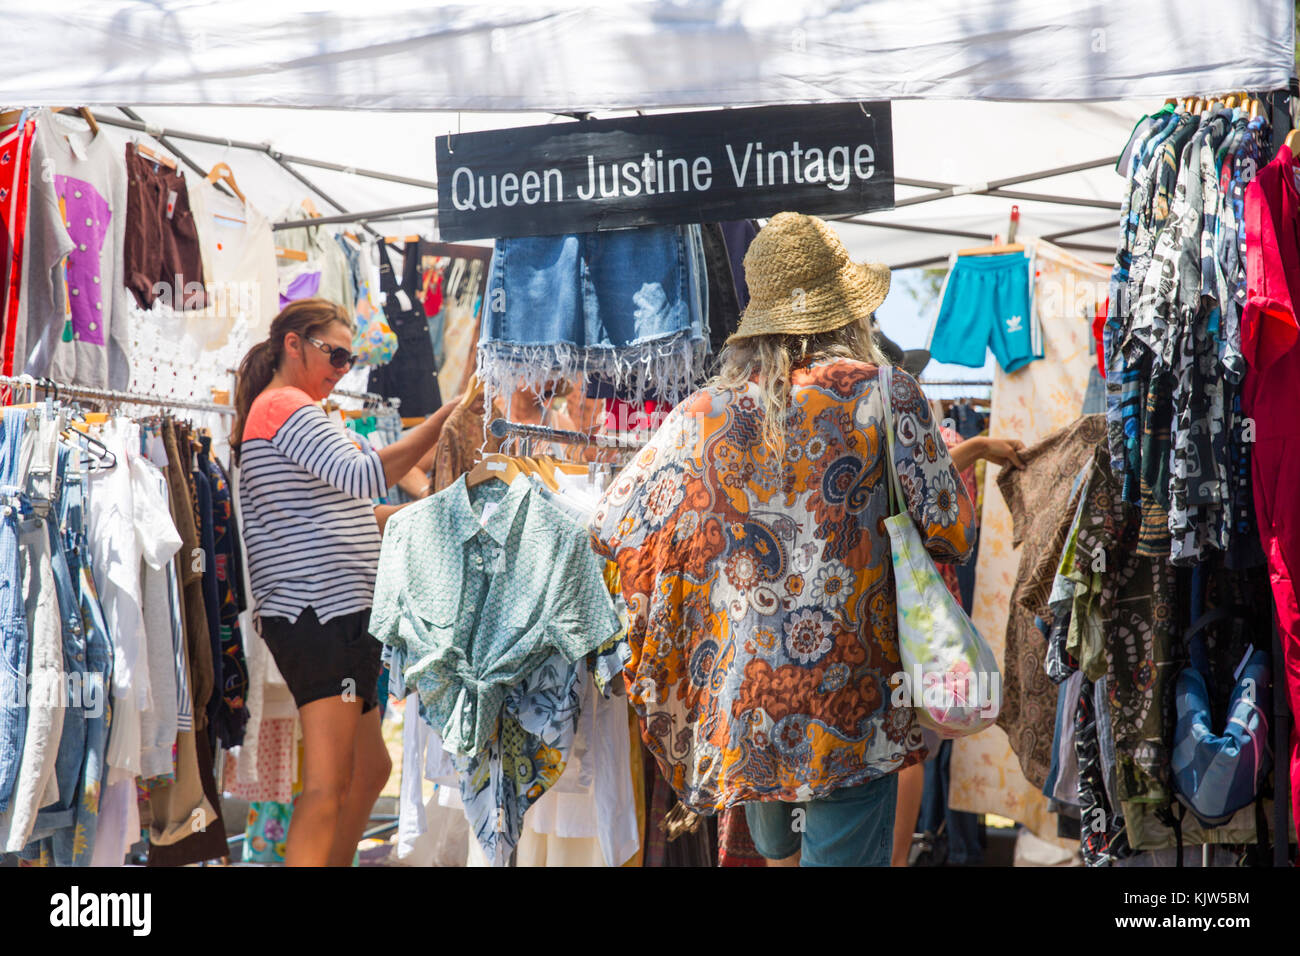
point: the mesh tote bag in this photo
(949, 671)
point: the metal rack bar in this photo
(501, 428)
(374, 397)
(52, 388)
(977, 383)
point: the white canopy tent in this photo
(646, 54)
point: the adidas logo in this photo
(1014, 323)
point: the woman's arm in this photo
(402, 455)
(1004, 451)
(384, 512)
(1000, 451)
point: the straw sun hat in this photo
(802, 281)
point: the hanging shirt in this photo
(86, 343)
(239, 264)
(763, 619)
(477, 587)
(323, 256)
(305, 492)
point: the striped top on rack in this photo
(305, 491)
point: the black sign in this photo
(709, 166)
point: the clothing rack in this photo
(370, 398)
(58, 390)
(501, 428)
(977, 383)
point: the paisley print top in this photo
(761, 593)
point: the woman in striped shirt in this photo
(312, 538)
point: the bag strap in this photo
(387, 280)
(883, 381)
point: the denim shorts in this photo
(853, 826)
(591, 290)
(326, 660)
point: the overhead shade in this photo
(549, 55)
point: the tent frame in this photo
(940, 190)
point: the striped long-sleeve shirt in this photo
(305, 490)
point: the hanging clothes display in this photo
(986, 304)
(1041, 498)
(412, 375)
(453, 281)
(375, 343)
(1268, 332)
(81, 335)
(627, 308)
(501, 692)
(325, 272)
(238, 254)
(161, 256)
(16, 147)
(1029, 404)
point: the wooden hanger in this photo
(225, 174)
(89, 117)
(991, 250)
(1291, 141)
(473, 389)
(84, 113)
(395, 240)
(298, 254)
(9, 118)
(309, 207)
(155, 156)
(493, 467)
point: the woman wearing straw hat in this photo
(752, 553)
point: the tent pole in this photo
(976, 189)
(347, 217)
(908, 227)
(157, 132)
(1011, 194)
(276, 156)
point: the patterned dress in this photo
(763, 619)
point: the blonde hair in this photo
(774, 357)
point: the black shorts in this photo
(326, 660)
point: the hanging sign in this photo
(707, 166)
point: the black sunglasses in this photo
(339, 356)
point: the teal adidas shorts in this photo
(986, 306)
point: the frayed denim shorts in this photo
(591, 290)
